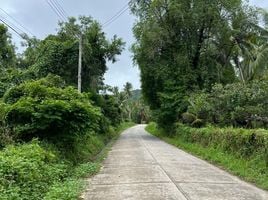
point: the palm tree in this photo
(250, 52)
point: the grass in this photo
(72, 187)
(252, 169)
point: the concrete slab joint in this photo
(142, 167)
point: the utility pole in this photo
(80, 65)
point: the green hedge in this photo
(241, 142)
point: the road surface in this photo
(142, 167)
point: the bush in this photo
(40, 109)
(188, 118)
(234, 104)
(5, 136)
(27, 171)
(198, 123)
(84, 147)
(68, 190)
(241, 142)
(109, 108)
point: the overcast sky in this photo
(40, 19)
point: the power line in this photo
(58, 9)
(55, 10)
(11, 24)
(61, 8)
(60, 12)
(116, 16)
(13, 29)
(15, 20)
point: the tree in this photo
(127, 89)
(58, 54)
(183, 46)
(30, 56)
(7, 51)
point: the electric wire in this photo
(58, 9)
(20, 24)
(55, 10)
(11, 24)
(12, 28)
(116, 16)
(61, 8)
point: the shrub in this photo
(5, 137)
(28, 170)
(39, 109)
(198, 123)
(84, 148)
(247, 143)
(234, 104)
(111, 110)
(68, 190)
(188, 118)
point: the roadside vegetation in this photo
(51, 135)
(204, 74)
(232, 149)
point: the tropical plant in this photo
(186, 46)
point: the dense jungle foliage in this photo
(188, 51)
(50, 134)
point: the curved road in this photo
(142, 167)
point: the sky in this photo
(39, 18)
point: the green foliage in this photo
(234, 104)
(240, 142)
(240, 151)
(188, 118)
(127, 105)
(58, 54)
(84, 147)
(68, 190)
(39, 109)
(73, 186)
(73, 129)
(111, 109)
(198, 123)
(186, 46)
(13, 76)
(5, 136)
(27, 171)
(7, 51)
(37, 170)
(85, 170)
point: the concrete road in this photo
(142, 167)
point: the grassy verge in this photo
(72, 188)
(252, 168)
(40, 170)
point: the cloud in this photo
(42, 21)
